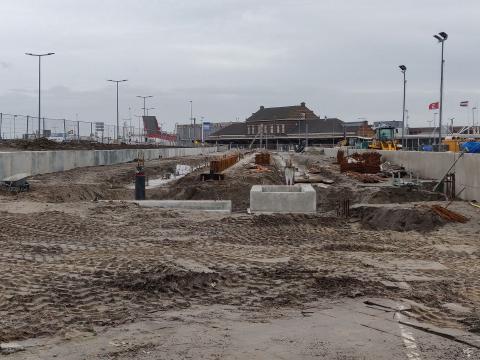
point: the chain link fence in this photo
(63, 130)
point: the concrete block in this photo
(201, 205)
(68, 160)
(100, 157)
(56, 161)
(5, 164)
(299, 198)
(21, 163)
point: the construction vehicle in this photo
(15, 183)
(384, 139)
(453, 143)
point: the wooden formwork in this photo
(218, 165)
(262, 158)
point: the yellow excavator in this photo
(384, 139)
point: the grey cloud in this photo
(5, 64)
(230, 56)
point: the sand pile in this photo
(162, 278)
(397, 219)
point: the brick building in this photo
(288, 125)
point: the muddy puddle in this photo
(180, 172)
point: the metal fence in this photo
(29, 127)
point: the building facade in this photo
(287, 126)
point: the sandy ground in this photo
(87, 280)
(42, 144)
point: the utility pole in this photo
(39, 85)
(306, 129)
(441, 37)
(191, 122)
(118, 123)
(403, 68)
(333, 132)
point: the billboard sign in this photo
(99, 126)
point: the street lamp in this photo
(39, 84)
(139, 128)
(473, 119)
(451, 124)
(191, 112)
(403, 69)
(149, 109)
(441, 37)
(144, 97)
(118, 125)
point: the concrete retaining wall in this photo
(41, 162)
(224, 206)
(433, 165)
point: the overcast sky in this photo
(231, 56)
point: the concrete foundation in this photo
(224, 206)
(300, 198)
(42, 162)
(434, 165)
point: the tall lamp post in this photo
(144, 101)
(473, 119)
(118, 124)
(191, 112)
(403, 68)
(139, 128)
(191, 132)
(39, 84)
(441, 37)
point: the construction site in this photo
(326, 253)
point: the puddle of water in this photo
(183, 170)
(180, 171)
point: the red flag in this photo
(434, 106)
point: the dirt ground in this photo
(87, 279)
(46, 144)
